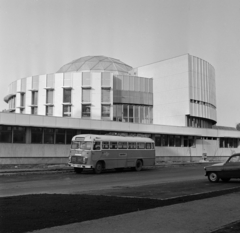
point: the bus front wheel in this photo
(138, 166)
(98, 168)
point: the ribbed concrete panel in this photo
(42, 95)
(58, 95)
(28, 95)
(96, 96)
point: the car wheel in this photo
(78, 170)
(139, 165)
(225, 179)
(213, 177)
(98, 168)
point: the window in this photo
(48, 136)
(70, 134)
(34, 110)
(36, 135)
(86, 78)
(105, 111)
(178, 141)
(35, 80)
(131, 113)
(5, 134)
(171, 140)
(148, 145)
(125, 113)
(66, 110)
(113, 145)
(34, 98)
(157, 140)
(122, 145)
(50, 80)
(22, 100)
(49, 110)
(105, 145)
(67, 79)
(132, 145)
(49, 97)
(136, 114)
(105, 95)
(67, 95)
(86, 95)
(19, 134)
(164, 140)
(60, 136)
(11, 102)
(97, 146)
(141, 145)
(106, 81)
(86, 110)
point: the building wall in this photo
(183, 85)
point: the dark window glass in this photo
(178, 141)
(97, 146)
(19, 134)
(66, 110)
(70, 134)
(60, 136)
(141, 145)
(171, 140)
(132, 145)
(67, 96)
(105, 96)
(148, 145)
(105, 145)
(157, 140)
(185, 141)
(48, 136)
(34, 98)
(22, 100)
(113, 145)
(49, 97)
(221, 142)
(105, 111)
(36, 135)
(49, 110)
(122, 145)
(5, 134)
(125, 113)
(164, 140)
(86, 110)
(34, 110)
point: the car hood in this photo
(217, 164)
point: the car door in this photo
(231, 168)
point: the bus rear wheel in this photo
(138, 166)
(98, 168)
(78, 170)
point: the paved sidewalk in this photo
(200, 216)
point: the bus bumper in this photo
(80, 165)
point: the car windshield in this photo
(234, 159)
(81, 145)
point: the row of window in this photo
(202, 103)
(19, 134)
(198, 122)
(133, 113)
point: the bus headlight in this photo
(85, 159)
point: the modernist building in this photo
(172, 101)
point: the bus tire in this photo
(139, 165)
(78, 170)
(98, 168)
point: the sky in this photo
(40, 36)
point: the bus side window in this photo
(148, 145)
(120, 145)
(97, 146)
(141, 145)
(105, 145)
(152, 146)
(132, 145)
(113, 145)
(124, 145)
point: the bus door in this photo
(96, 151)
(122, 154)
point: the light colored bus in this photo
(99, 152)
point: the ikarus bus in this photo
(100, 152)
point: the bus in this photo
(100, 152)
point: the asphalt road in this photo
(189, 179)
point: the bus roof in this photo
(92, 137)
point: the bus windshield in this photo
(81, 145)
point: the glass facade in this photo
(105, 111)
(105, 96)
(67, 95)
(132, 113)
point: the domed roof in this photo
(95, 63)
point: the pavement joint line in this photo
(216, 192)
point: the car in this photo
(224, 171)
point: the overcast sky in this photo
(38, 37)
